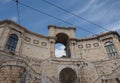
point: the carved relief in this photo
(88, 45)
(27, 39)
(44, 44)
(80, 46)
(95, 44)
(35, 41)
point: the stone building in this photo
(28, 57)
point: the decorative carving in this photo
(88, 45)
(35, 41)
(73, 43)
(51, 42)
(80, 46)
(95, 44)
(27, 39)
(44, 44)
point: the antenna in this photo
(18, 14)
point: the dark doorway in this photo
(67, 75)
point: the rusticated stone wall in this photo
(34, 61)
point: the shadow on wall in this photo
(117, 79)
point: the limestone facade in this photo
(31, 58)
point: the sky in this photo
(105, 13)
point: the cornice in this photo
(9, 22)
(80, 39)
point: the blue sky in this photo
(105, 13)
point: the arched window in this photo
(62, 48)
(110, 49)
(12, 42)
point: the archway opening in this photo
(60, 50)
(62, 47)
(67, 75)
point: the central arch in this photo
(67, 75)
(63, 39)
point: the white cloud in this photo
(14, 18)
(86, 7)
(59, 51)
(102, 14)
(91, 12)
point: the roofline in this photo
(18, 25)
(81, 39)
(99, 35)
(49, 26)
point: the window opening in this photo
(12, 42)
(110, 49)
(60, 50)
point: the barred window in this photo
(12, 42)
(110, 49)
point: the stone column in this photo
(52, 47)
(116, 43)
(19, 44)
(4, 38)
(73, 48)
